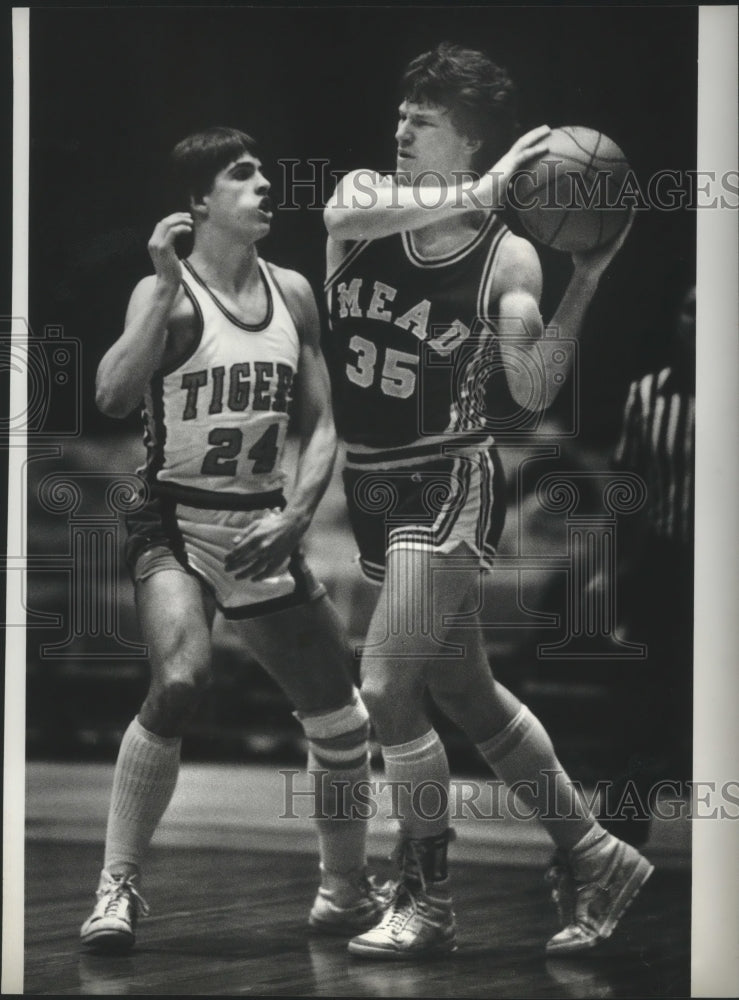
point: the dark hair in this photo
(198, 158)
(480, 96)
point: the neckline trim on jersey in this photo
(251, 327)
(450, 258)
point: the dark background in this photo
(113, 89)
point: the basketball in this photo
(568, 198)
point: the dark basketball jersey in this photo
(409, 341)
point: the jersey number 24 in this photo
(221, 460)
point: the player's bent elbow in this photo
(338, 222)
(111, 404)
(329, 219)
(528, 395)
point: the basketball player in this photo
(223, 347)
(425, 283)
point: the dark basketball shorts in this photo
(436, 506)
(165, 534)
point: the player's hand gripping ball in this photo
(569, 197)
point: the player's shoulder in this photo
(517, 265)
(298, 295)
(289, 281)
(184, 323)
(516, 252)
(296, 290)
(145, 289)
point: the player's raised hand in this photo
(162, 247)
(596, 261)
(530, 145)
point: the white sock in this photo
(338, 758)
(423, 766)
(145, 778)
(522, 754)
(342, 833)
(593, 852)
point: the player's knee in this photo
(186, 689)
(179, 693)
(392, 700)
(339, 740)
(376, 696)
(457, 697)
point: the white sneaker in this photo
(417, 924)
(593, 898)
(329, 917)
(111, 927)
(418, 921)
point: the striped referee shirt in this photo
(658, 443)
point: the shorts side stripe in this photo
(456, 504)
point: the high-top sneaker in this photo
(355, 905)
(419, 922)
(593, 893)
(111, 927)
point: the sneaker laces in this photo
(116, 890)
(381, 892)
(407, 856)
(402, 906)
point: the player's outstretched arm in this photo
(528, 354)
(266, 543)
(157, 305)
(367, 205)
(588, 269)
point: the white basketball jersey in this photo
(217, 423)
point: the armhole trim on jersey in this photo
(158, 428)
(280, 291)
(349, 258)
(197, 339)
(490, 267)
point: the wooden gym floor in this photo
(230, 895)
(233, 923)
